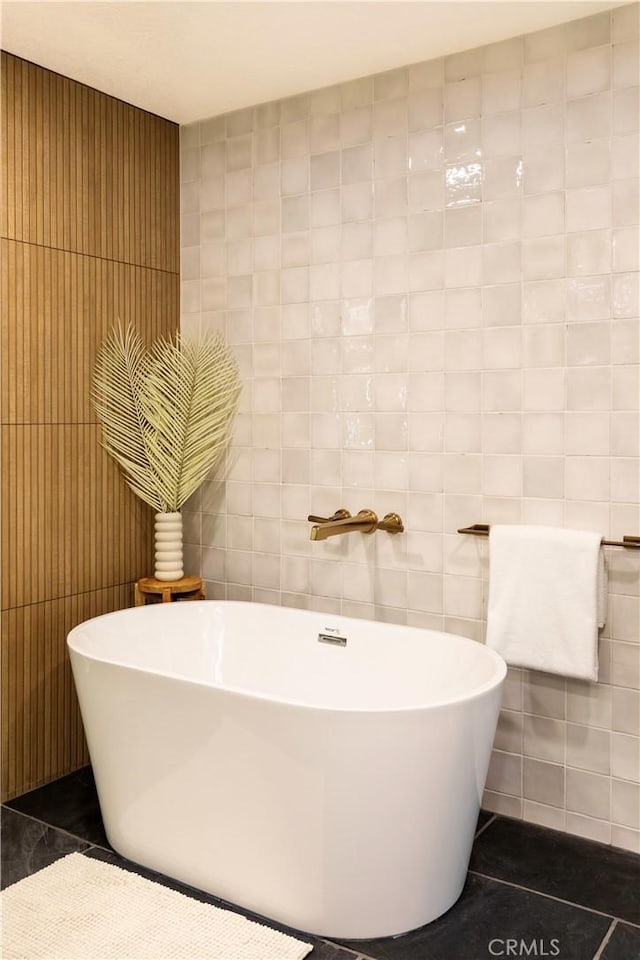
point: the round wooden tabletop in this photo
(185, 585)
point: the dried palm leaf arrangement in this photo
(166, 415)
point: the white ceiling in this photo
(191, 59)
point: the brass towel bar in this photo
(482, 530)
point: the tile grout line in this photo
(99, 846)
(331, 943)
(52, 826)
(485, 825)
(341, 946)
(550, 896)
(605, 940)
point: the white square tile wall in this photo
(430, 281)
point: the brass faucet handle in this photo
(340, 514)
(392, 523)
(367, 520)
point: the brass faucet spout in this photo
(366, 521)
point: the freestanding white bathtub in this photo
(249, 751)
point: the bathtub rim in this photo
(500, 665)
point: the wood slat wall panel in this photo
(89, 222)
(75, 526)
(63, 306)
(42, 736)
(69, 186)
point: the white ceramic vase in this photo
(168, 544)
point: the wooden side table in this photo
(150, 590)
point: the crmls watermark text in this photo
(524, 948)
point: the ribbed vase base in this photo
(168, 547)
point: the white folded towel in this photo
(547, 598)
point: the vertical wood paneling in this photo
(86, 173)
(89, 186)
(6, 149)
(59, 532)
(41, 728)
(63, 305)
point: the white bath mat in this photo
(83, 909)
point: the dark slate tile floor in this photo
(29, 845)
(587, 873)
(624, 944)
(70, 803)
(486, 916)
(530, 890)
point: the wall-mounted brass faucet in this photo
(342, 522)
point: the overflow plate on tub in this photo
(332, 635)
